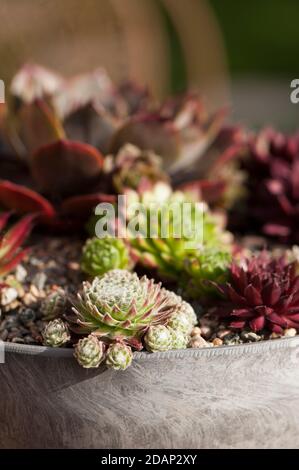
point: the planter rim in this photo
(236, 350)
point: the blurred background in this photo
(240, 53)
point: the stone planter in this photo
(233, 396)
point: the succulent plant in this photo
(89, 352)
(262, 293)
(188, 258)
(55, 333)
(183, 306)
(54, 304)
(103, 254)
(120, 307)
(273, 180)
(180, 321)
(179, 340)
(218, 177)
(119, 356)
(158, 338)
(10, 242)
(58, 129)
(136, 169)
(208, 265)
(197, 147)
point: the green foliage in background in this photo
(261, 36)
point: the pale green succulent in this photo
(180, 321)
(55, 334)
(54, 305)
(158, 338)
(190, 244)
(120, 307)
(179, 340)
(184, 316)
(119, 356)
(89, 352)
(211, 265)
(103, 254)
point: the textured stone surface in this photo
(237, 396)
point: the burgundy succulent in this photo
(196, 148)
(263, 293)
(273, 183)
(58, 129)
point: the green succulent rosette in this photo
(55, 334)
(100, 255)
(158, 339)
(119, 356)
(89, 352)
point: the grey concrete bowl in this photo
(227, 397)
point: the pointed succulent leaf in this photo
(33, 125)
(15, 237)
(65, 167)
(23, 200)
(82, 206)
(12, 263)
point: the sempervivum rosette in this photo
(263, 293)
(100, 255)
(189, 245)
(89, 352)
(120, 307)
(55, 333)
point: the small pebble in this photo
(8, 295)
(39, 281)
(29, 299)
(206, 331)
(17, 340)
(290, 332)
(10, 322)
(231, 339)
(34, 291)
(217, 342)
(198, 342)
(222, 333)
(74, 266)
(275, 335)
(35, 262)
(250, 336)
(27, 315)
(196, 331)
(29, 340)
(21, 273)
(4, 335)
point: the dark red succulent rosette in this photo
(263, 293)
(60, 173)
(273, 185)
